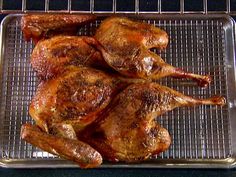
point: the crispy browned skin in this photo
(40, 26)
(128, 131)
(75, 150)
(52, 56)
(75, 97)
(125, 46)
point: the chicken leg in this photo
(127, 131)
(125, 47)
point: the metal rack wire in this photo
(120, 6)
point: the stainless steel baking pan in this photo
(202, 137)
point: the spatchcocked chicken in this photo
(85, 112)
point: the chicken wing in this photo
(45, 25)
(75, 150)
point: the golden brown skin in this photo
(40, 26)
(128, 130)
(76, 97)
(125, 46)
(52, 56)
(81, 153)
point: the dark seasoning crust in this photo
(97, 99)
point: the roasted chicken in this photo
(41, 26)
(125, 46)
(52, 56)
(75, 97)
(128, 131)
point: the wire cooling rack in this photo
(120, 6)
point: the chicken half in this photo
(41, 26)
(128, 131)
(51, 57)
(126, 44)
